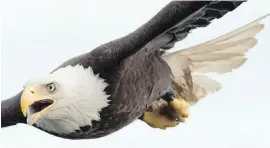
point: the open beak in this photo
(34, 105)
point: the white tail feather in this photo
(219, 55)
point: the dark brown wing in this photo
(11, 111)
(171, 24)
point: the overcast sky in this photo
(38, 36)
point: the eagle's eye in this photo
(51, 87)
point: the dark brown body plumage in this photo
(133, 67)
(134, 84)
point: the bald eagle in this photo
(133, 77)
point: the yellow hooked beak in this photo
(28, 98)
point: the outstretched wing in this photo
(11, 111)
(220, 55)
(173, 23)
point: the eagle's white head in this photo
(64, 100)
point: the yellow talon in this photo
(157, 120)
(167, 115)
(180, 107)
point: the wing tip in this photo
(265, 16)
(262, 18)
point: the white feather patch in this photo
(79, 99)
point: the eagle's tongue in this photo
(30, 117)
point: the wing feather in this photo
(220, 55)
(236, 37)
